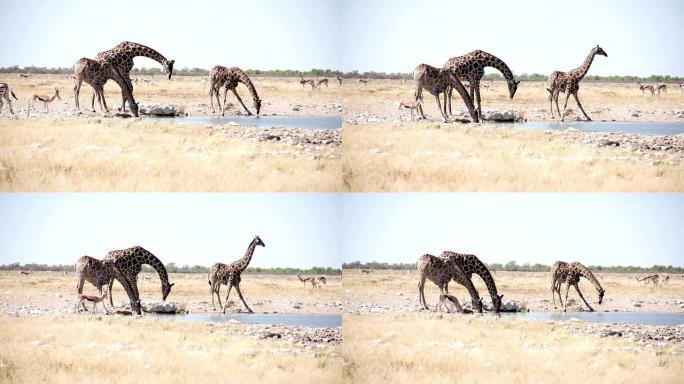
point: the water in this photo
(306, 122)
(646, 318)
(289, 319)
(653, 129)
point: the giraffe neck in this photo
(483, 272)
(135, 49)
(155, 263)
(497, 63)
(118, 78)
(248, 83)
(584, 271)
(126, 284)
(584, 68)
(242, 264)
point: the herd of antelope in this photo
(657, 88)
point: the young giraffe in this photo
(229, 78)
(470, 67)
(121, 57)
(642, 88)
(569, 83)
(130, 261)
(5, 93)
(440, 271)
(96, 73)
(471, 264)
(229, 274)
(339, 81)
(571, 274)
(100, 272)
(436, 81)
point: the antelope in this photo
(322, 279)
(25, 273)
(649, 87)
(410, 105)
(339, 82)
(367, 270)
(92, 299)
(443, 303)
(323, 81)
(363, 81)
(303, 279)
(24, 75)
(303, 82)
(46, 99)
(5, 93)
(661, 87)
(655, 279)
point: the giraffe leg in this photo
(92, 100)
(451, 91)
(211, 96)
(439, 107)
(237, 288)
(565, 106)
(217, 92)
(417, 96)
(77, 90)
(225, 305)
(551, 103)
(478, 110)
(582, 297)
(211, 289)
(567, 291)
(223, 109)
(109, 292)
(580, 106)
(421, 291)
(243, 104)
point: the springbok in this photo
(45, 99)
(410, 105)
(91, 299)
(363, 81)
(649, 87)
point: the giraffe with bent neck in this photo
(436, 81)
(570, 273)
(470, 67)
(96, 73)
(230, 274)
(130, 261)
(121, 57)
(229, 78)
(101, 272)
(440, 271)
(472, 264)
(568, 82)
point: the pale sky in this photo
(639, 229)
(299, 230)
(641, 37)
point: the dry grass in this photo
(262, 292)
(475, 349)
(72, 348)
(430, 157)
(529, 288)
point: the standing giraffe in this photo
(471, 264)
(130, 261)
(569, 83)
(230, 274)
(96, 73)
(571, 273)
(470, 67)
(440, 271)
(121, 57)
(5, 93)
(100, 272)
(436, 81)
(229, 78)
(339, 81)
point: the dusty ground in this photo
(395, 291)
(384, 151)
(65, 151)
(53, 292)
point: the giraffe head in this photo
(478, 305)
(166, 289)
(134, 108)
(601, 292)
(496, 302)
(258, 241)
(512, 87)
(168, 67)
(257, 106)
(599, 51)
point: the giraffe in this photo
(471, 264)
(5, 93)
(230, 274)
(96, 73)
(130, 261)
(339, 81)
(229, 78)
(571, 274)
(436, 81)
(643, 87)
(100, 272)
(121, 57)
(470, 67)
(440, 271)
(568, 82)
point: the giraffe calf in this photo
(92, 299)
